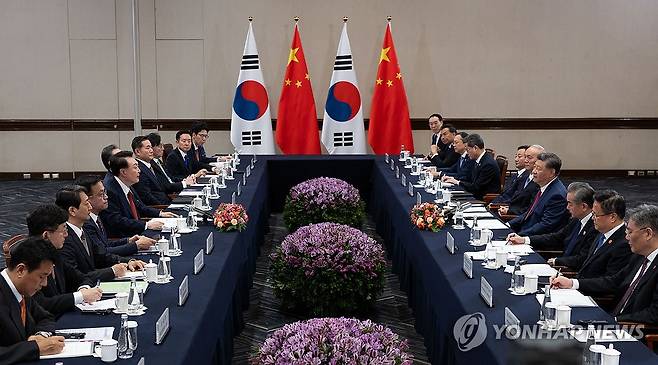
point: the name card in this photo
(511, 319)
(198, 262)
(239, 192)
(210, 243)
(403, 180)
(486, 291)
(387, 157)
(419, 199)
(244, 179)
(410, 188)
(233, 198)
(248, 171)
(183, 291)
(141, 361)
(253, 161)
(392, 165)
(162, 327)
(468, 266)
(397, 172)
(450, 243)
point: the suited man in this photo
(521, 192)
(180, 163)
(463, 168)
(79, 251)
(25, 327)
(573, 239)
(635, 286)
(447, 156)
(170, 186)
(122, 216)
(519, 179)
(107, 152)
(200, 135)
(435, 122)
(67, 286)
(547, 213)
(485, 177)
(94, 227)
(150, 191)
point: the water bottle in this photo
(162, 273)
(591, 340)
(475, 231)
(547, 299)
(134, 303)
(206, 197)
(124, 350)
(517, 267)
(190, 221)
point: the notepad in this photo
(73, 349)
(488, 223)
(132, 274)
(570, 297)
(113, 287)
(190, 193)
(92, 333)
(101, 305)
(177, 206)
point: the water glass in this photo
(551, 315)
(459, 220)
(519, 282)
(132, 335)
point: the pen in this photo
(98, 284)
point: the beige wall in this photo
(64, 59)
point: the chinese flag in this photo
(390, 127)
(297, 123)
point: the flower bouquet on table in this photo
(323, 199)
(333, 341)
(230, 217)
(427, 216)
(328, 269)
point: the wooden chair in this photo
(166, 150)
(10, 242)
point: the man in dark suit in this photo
(94, 228)
(122, 216)
(79, 251)
(573, 239)
(25, 327)
(548, 212)
(486, 174)
(150, 191)
(463, 168)
(635, 286)
(169, 185)
(519, 179)
(447, 156)
(107, 152)
(66, 286)
(180, 164)
(519, 194)
(200, 135)
(435, 122)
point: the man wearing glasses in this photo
(636, 285)
(200, 135)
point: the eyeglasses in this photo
(203, 135)
(629, 232)
(102, 194)
(601, 215)
(60, 230)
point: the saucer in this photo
(185, 230)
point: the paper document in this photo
(478, 214)
(199, 185)
(603, 335)
(474, 209)
(190, 193)
(537, 269)
(177, 206)
(93, 333)
(100, 305)
(73, 349)
(520, 250)
(488, 223)
(132, 274)
(168, 222)
(570, 297)
(113, 287)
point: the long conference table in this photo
(202, 330)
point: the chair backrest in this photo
(502, 166)
(491, 151)
(166, 150)
(10, 242)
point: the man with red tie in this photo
(636, 285)
(122, 216)
(25, 327)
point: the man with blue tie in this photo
(548, 211)
(148, 187)
(519, 178)
(485, 177)
(518, 196)
(576, 237)
(463, 168)
(180, 163)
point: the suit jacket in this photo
(176, 168)
(97, 264)
(515, 185)
(485, 178)
(609, 259)
(57, 296)
(446, 157)
(461, 170)
(642, 306)
(150, 191)
(119, 247)
(549, 214)
(578, 255)
(117, 219)
(203, 160)
(169, 186)
(14, 346)
(521, 200)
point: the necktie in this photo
(163, 171)
(624, 300)
(100, 227)
(83, 239)
(527, 181)
(599, 242)
(202, 152)
(197, 154)
(572, 239)
(461, 162)
(186, 160)
(133, 208)
(532, 207)
(23, 311)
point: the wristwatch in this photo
(43, 334)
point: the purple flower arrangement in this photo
(333, 341)
(328, 269)
(323, 199)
